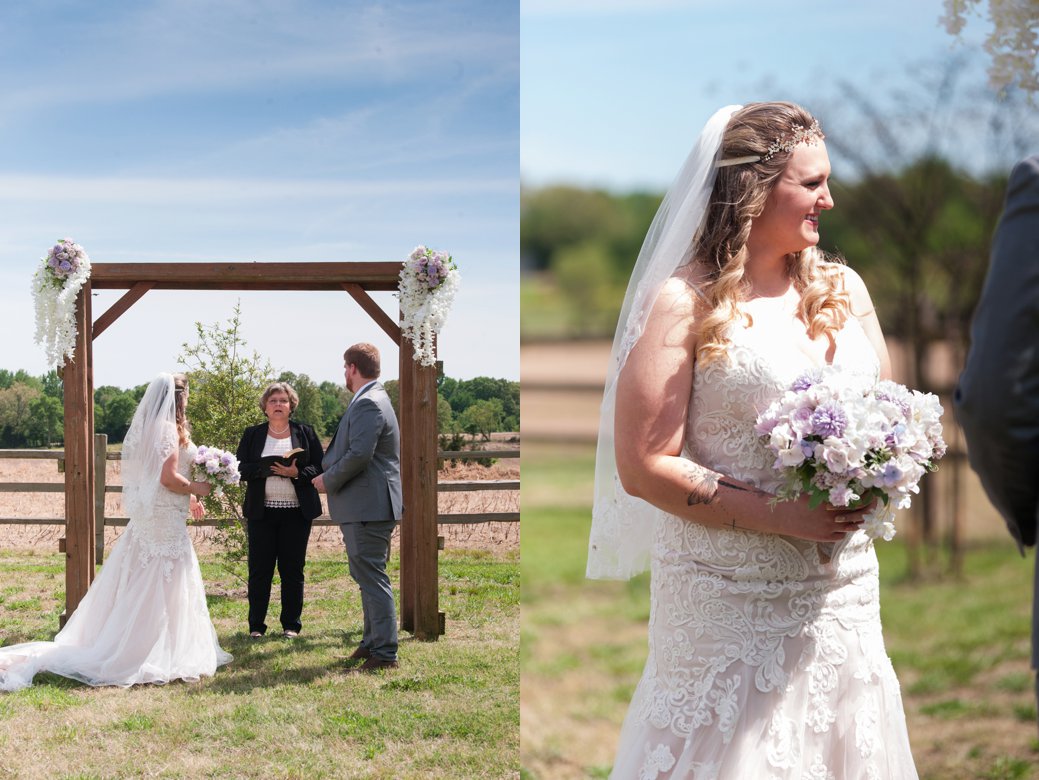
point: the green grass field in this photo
(283, 708)
(960, 647)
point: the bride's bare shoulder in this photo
(858, 294)
(683, 288)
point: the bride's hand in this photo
(825, 523)
(198, 511)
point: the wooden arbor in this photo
(418, 406)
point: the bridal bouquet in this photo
(848, 441)
(428, 282)
(55, 287)
(217, 467)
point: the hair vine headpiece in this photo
(798, 135)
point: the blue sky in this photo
(279, 130)
(615, 91)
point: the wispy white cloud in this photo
(274, 130)
(196, 192)
(608, 7)
(176, 47)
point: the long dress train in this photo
(766, 658)
(144, 619)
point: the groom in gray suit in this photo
(997, 399)
(361, 475)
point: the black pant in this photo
(279, 537)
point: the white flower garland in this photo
(428, 282)
(55, 287)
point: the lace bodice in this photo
(729, 394)
(766, 657)
(162, 534)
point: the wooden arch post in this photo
(419, 572)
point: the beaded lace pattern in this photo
(161, 537)
(766, 658)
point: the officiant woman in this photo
(280, 505)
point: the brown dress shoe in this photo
(360, 654)
(374, 664)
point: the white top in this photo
(279, 490)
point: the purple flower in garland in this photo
(64, 259)
(428, 281)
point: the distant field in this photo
(475, 536)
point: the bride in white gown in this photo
(144, 618)
(766, 658)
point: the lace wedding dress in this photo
(144, 618)
(766, 658)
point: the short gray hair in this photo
(283, 387)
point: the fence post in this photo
(100, 464)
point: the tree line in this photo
(32, 407)
(919, 236)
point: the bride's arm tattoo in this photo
(704, 484)
(730, 484)
(742, 488)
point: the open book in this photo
(287, 459)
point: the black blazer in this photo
(254, 474)
(997, 398)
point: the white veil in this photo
(151, 439)
(622, 526)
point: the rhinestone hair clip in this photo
(799, 135)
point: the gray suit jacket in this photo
(997, 399)
(362, 465)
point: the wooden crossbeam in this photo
(245, 276)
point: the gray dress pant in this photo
(368, 550)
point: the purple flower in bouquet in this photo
(829, 419)
(217, 467)
(849, 442)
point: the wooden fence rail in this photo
(101, 489)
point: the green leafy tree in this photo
(482, 418)
(113, 411)
(586, 278)
(15, 413)
(52, 386)
(225, 384)
(309, 410)
(392, 387)
(46, 421)
(445, 417)
(334, 399)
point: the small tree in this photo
(46, 416)
(482, 417)
(225, 386)
(15, 415)
(309, 410)
(333, 405)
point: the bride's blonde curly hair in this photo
(180, 405)
(719, 252)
